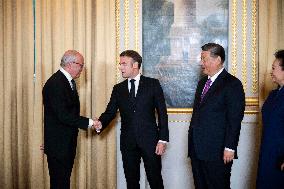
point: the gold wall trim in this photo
(180, 110)
(136, 15)
(126, 24)
(190, 110)
(179, 121)
(188, 121)
(250, 101)
(254, 48)
(117, 30)
(234, 37)
(251, 112)
(244, 44)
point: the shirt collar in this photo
(67, 75)
(137, 78)
(214, 77)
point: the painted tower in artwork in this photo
(185, 34)
(180, 69)
(173, 32)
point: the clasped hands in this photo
(97, 125)
(160, 148)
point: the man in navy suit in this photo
(216, 121)
(138, 98)
(62, 119)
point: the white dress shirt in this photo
(136, 83)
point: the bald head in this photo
(73, 62)
(70, 56)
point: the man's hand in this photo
(97, 125)
(282, 166)
(228, 156)
(161, 148)
(41, 147)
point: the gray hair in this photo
(69, 57)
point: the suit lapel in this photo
(199, 91)
(140, 88)
(216, 84)
(64, 79)
(124, 92)
(74, 94)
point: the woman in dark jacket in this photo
(271, 164)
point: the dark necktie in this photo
(132, 91)
(73, 85)
(205, 89)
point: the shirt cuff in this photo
(229, 149)
(91, 123)
(162, 141)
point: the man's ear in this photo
(67, 66)
(135, 65)
(218, 59)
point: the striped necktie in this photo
(206, 88)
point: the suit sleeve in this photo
(161, 108)
(111, 109)
(57, 101)
(235, 101)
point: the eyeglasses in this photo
(81, 65)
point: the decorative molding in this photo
(136, 15)
(251, 112)
(244, 44)
(117, 30)
(179, 121)
(190, 110)
(180, 110)
(234, 38)
(188, 121)
(126, 24)
(250, 102)
(254, 48)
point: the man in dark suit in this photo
(62, 119)
(137, 99)
(216, 121)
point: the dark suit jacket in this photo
(138, 122)
(61, 118)
(272, 144)
(216, 121)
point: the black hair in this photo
(134, 55)
(215, 50)
(280, 56)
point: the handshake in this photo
(97, 125)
